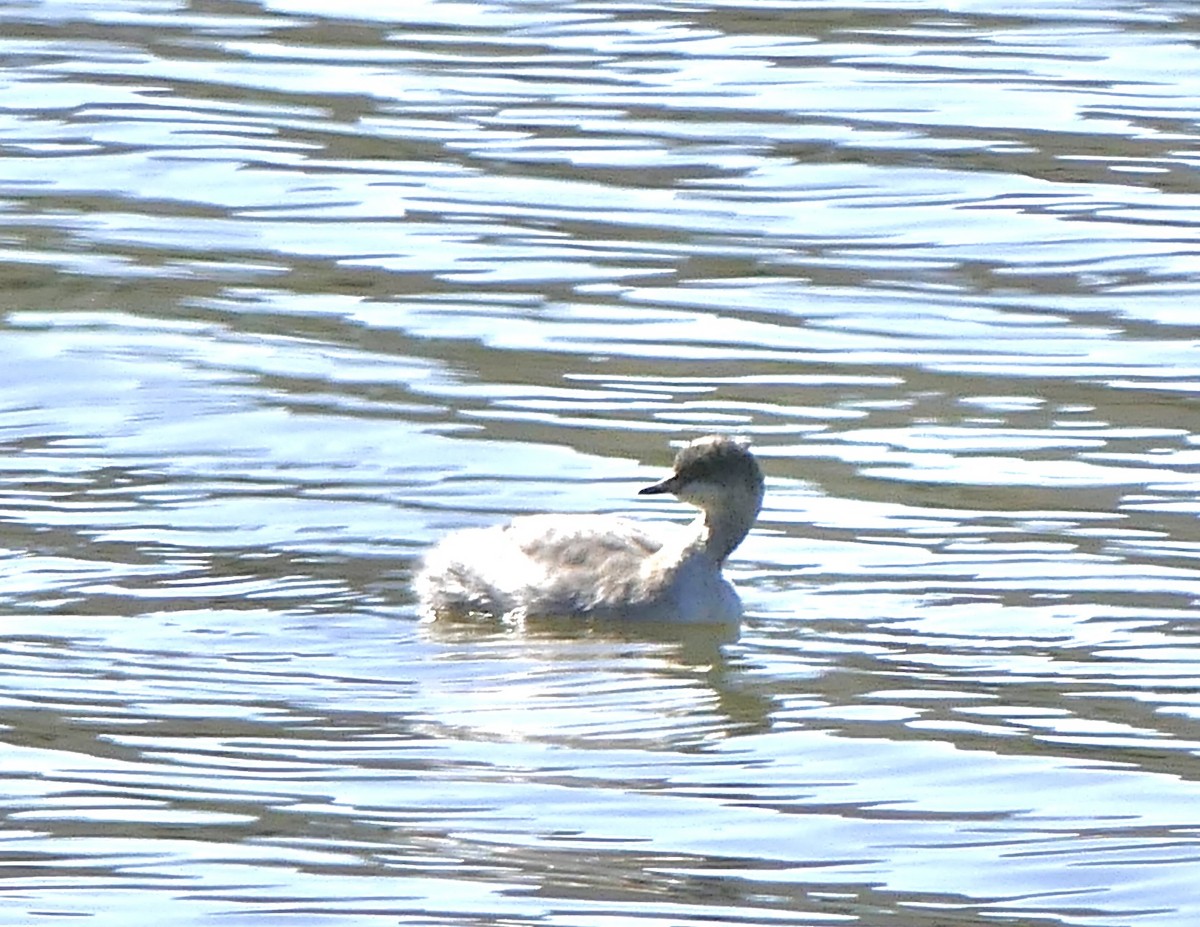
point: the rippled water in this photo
(291, 290)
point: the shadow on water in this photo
(690, 642)
(650, 654)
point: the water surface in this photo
(292, 290)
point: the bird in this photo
(606, 566)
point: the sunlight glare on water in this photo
(291, 291)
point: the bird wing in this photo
(591, 543)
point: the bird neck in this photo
(723, 527)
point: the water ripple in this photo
(291, 291)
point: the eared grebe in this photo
(560, 566)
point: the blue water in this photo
(291, 291)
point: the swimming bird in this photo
(563, 566)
